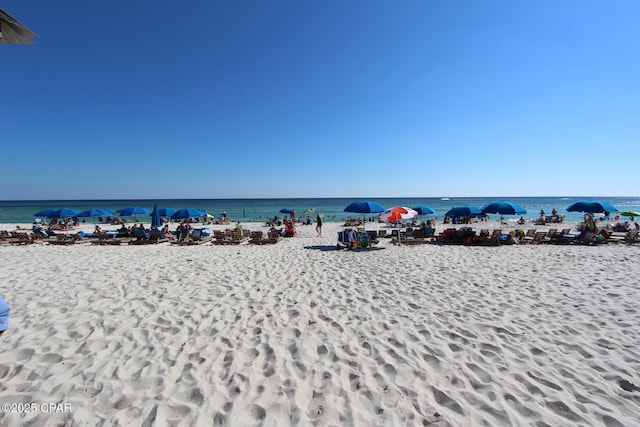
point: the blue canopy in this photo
(166, 211)
(286, 210)
(424, 210)
(95, 212)
(503, 208)
(463, 212)
(187, 213)
(61, 213)
(591, 206)
(364, 207)
(45, 212)
(156, 220)
(133, 210)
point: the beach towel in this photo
(4, 314)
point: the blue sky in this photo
(226, 99)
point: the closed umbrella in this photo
(156, 219)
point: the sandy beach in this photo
(299, 333)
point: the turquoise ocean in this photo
(332, 209)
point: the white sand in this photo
(300, 334)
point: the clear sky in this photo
(331, 98)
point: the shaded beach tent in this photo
(364, 207)
(424, 210)
(591, 206)
(156, 219)
(463, 212)
(133, 210)
(187, 213)
(397, 214)
(12, 31)
(63, 213)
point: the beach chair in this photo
(272, 237)
(19, 239)
(539, 237)
(529, 236)
(255, 238)
(632, 237)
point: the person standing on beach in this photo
(318, 225)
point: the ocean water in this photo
(332, 209)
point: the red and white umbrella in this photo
(397, 213)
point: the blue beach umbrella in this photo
(62, 213)
(95, 212)
(166, 211)
(133, 210)
(591, 206)
(286, 210)
(503, 208)
(463, 212)
(364, 207)
(187, 213)
(424, 210)
(44, 213)
(156, 220)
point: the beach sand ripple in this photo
(298, 334)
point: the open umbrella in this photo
(286, 210)
(133, 210)
(62, 213)
(166, 211)
(503, 208)
(364, 207)
(424, 210)
(630, 214)
(156, 219)
(397, 214)
(44, 213)
(463, 212)
(95, 212)
(591, 206)
(187, 213)
(12, 31)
